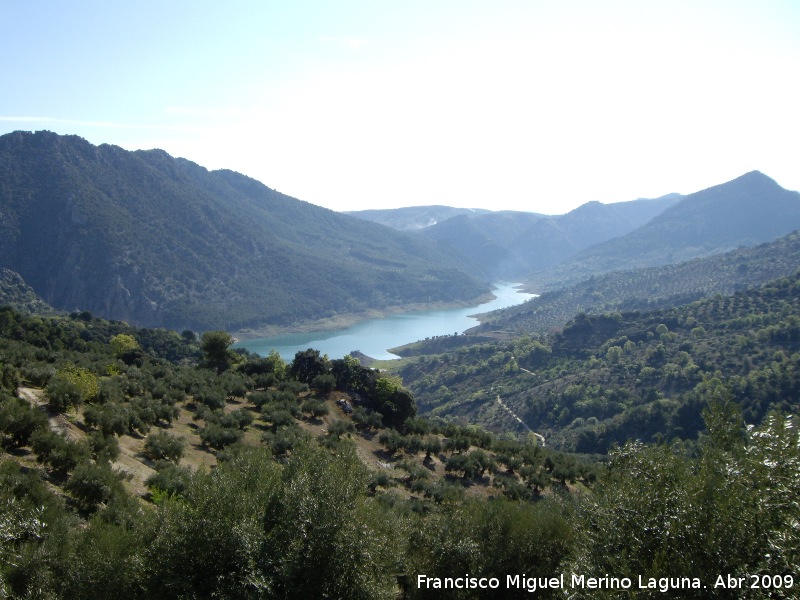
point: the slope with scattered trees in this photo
(281, 499)
(112, 384)
(607, 378)
(646, 289)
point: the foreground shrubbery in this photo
(312, 526)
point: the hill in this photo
(481, 243)
(552, 241)
(746, 211)
(16, 293)
(646, 289)
(161, 381)
(124, 425)
(131, 469)
(612, 377)
(511, 244)
(156, 240)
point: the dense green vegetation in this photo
(251, 527)
(282, 498)
(159, 241)
(612, 377)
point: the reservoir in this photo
(375, 336)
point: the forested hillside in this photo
(586, 433)
(256, 472)
(16, 293)
(609, 378)
(155, 240)
(643, 289)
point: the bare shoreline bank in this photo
(341, 321)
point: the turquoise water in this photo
(375, 336)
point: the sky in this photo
(534, 105)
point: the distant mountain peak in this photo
(753, 178)
(755, 175)
(745, 211)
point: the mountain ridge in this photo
(513, 244)
(745, 211)
(161, 241)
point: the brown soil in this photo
(137, 468)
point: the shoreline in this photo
(344, 320)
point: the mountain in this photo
(749, 210)
(482, 242)
(413, 218)
(556, 251)
(512, 244)
(551, 241)
(160, 241)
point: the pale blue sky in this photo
(527, 105)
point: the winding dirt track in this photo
(538, 436)
(58, 423)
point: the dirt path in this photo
(128, 461)
(538, 436)
(59, 423)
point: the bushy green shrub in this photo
(314, 408)
(323, 383)
(56, 450)
(277, 416)
(92, 484)
(218, 436)
(62, 394)
(160, 445)
(18, 421)
(169, 478)
(339, 428)
(103, 447)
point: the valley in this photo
(400, 301)
(149, 453)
